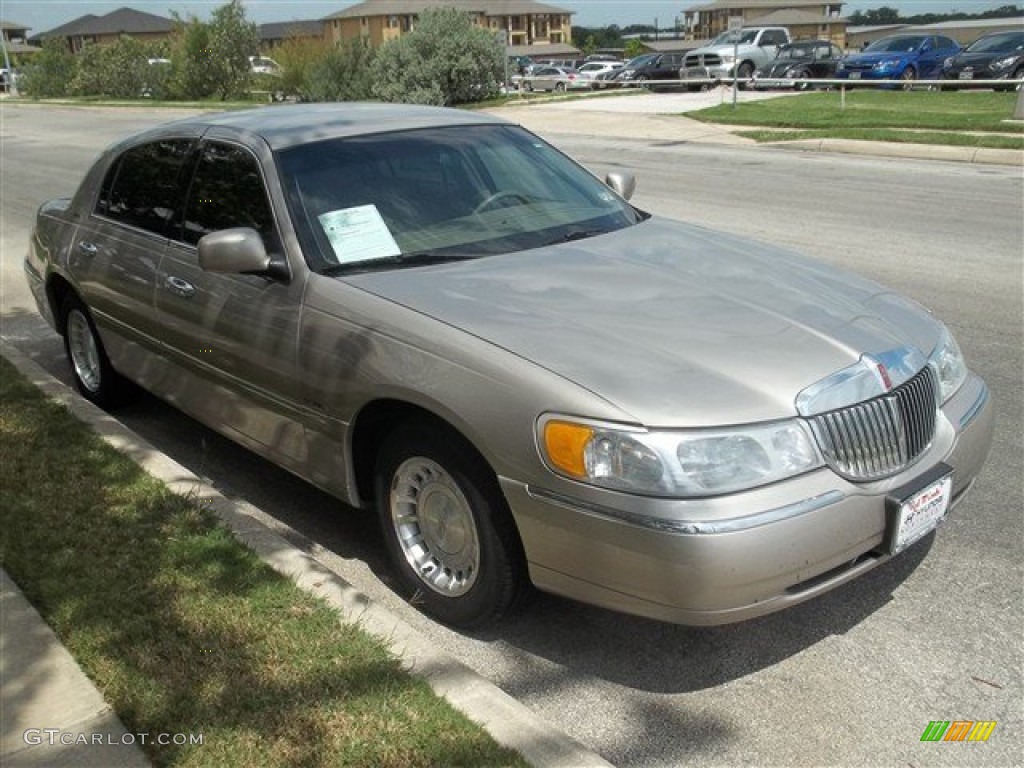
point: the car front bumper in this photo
(727, 559)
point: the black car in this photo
(798, 62)
(998, 56)
(650, 66)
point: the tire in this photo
(907, 77)
(448, 530)
(743, 74)
(800, 85)
(528, 86)
(559, 87)
(94, 376)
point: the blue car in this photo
(900, 57)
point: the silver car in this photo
(435, 315)
(554, 79)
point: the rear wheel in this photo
(908, 77)
(94, 377)
(447, 527)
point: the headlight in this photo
(676, 463)
(727, 58)
(887, 64)
(1003, 63)
(949, 365)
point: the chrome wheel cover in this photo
(435, 528)
(85, 356)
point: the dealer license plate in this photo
(919, 514)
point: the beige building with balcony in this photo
(528, 25)
(805, 19)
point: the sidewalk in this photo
(50, 712)
(43, 687)
(660, 117)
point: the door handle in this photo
(179, 286)
(89, 249)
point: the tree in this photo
(633, 49)
(298, 57)
(212, 60)
(344, 74)
(444, 60)
(51, 71)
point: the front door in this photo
(233, 337)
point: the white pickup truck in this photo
(739, 51)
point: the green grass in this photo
(956, 112)
(185, 631)
(989, 141)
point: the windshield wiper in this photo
(400, 261)
(578, 234)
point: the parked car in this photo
(900, 57)
(554, 79)
(999, 56)
(738, 52)
(650, 67)
(796, 63)
(563, 63)
(435, 315)
(592, 70)
(264, 65)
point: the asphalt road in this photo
(851, 678)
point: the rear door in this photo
(118, 248)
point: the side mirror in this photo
(238, 251)
(623, 183)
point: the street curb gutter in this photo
(977, 155)
(511, 723)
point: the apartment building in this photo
(526, 24)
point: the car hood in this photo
(674, 324)
(982, 59)
(862, 59)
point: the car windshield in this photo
(895, 45)
(794, 52)
(742, 36)
(395, 199)
(999, 43)
(641, 60)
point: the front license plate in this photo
(855, 75)
(916, 515)
(966, 75)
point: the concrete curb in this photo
(508, 721)
(978, 155)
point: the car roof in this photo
(291, 124)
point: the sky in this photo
(42, 15)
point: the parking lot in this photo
(852, 678)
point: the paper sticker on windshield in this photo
(358, 234)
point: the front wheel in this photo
(94, 376)
(908, 77)
(447, 527)
(744, 73)
(560, 87)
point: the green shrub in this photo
(444, 60)
(344, 74)
(51, 71)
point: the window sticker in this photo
(358, 234)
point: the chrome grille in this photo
(882, 436)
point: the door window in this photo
(141, 188)
(227, 191)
